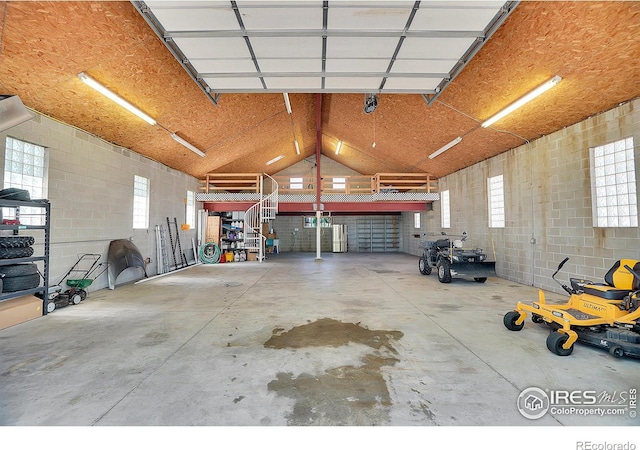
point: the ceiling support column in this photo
(318, 172)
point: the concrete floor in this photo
(354, 339)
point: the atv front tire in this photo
(423, 266)
(555, 341)
(444, 271)
(510, 319)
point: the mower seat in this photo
(619, 281)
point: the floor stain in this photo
(332, 333)
(153, 338)
(238, 399)
(355, 394)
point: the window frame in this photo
(613, 185)
(496, 201)
(445, 209)
(141, 206)
(190, 209)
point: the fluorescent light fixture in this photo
(276, 159)
(186, 144)
(446, 147)
(286, 102)
(114, 97)
(527, 98)
(295, 142)
(338, 147)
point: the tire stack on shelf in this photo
(18, 277)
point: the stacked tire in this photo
(18, 277)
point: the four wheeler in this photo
(449, 259)
(603, 315)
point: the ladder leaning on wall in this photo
(263, 211)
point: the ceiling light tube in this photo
(114, 97)
(295, 142)
(276, 159)
(338, 147)
(527, 98)
(186, 144)
(286, 102)
(446, 147)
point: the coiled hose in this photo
(210, 253)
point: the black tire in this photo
(11, 253)
(18, 270)
(16, 241)
(536, 318)
(444, 271)
(555, 341)
(616, 351)
(423, 266)
(15, 194)
(83, 294)
(510, 319)
(480, 279)
(14, 284)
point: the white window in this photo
(24, 168)
(613, 185)
(495, 187)
(445, 209)
(295, 182)
(339, 183)
(416, 220)
(190, 210)
(140, 202)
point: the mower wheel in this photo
(616, 351)
(423, 266)
(480, 279)
(510, 319)
(76, 298)
(444, 271)
(83, 294)
(51, 306)
(555, 341)
(536, 318)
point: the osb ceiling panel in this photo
(593, 46)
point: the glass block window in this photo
(495, 188)
(140, 202)
(613, 185)
(445, 210)
(24, 168)
(295, 183)
(416, 220)
(190, 209)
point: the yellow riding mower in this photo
(603, 315)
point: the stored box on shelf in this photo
(18, 310)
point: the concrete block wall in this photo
(547, 187)
(90, 188)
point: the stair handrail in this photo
(254, 217)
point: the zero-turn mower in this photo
(604, 315)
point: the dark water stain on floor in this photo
(354, 394)
(332, 333)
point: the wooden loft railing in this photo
(230, 182)
(404, 182)
(339, 184)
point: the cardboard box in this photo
(18, 310)
(252, 256)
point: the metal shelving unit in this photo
(46, 212)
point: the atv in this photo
(603, 315)
(450, 259)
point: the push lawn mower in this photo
(603, 315)
(77, 279)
